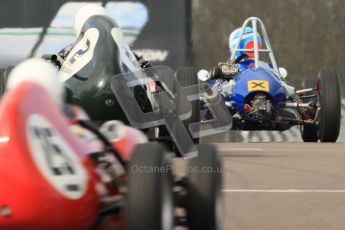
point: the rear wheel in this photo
(150, 197)
(187, 76)
(309, 132)
(329, 97)
(204, 197)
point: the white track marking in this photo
(284, 190)
(296, 132)
(276, 136)
(245, 135)
(255, 138)
(239, 149)
(265, 136)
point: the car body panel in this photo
(255, 80)
(27, 191)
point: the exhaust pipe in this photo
(217, 105)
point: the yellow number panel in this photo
(258, 85)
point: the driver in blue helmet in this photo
(243, 59)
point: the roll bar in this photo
(255, 22)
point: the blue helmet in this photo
(247, 41)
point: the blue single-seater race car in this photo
(259, 98)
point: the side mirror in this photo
(283, 72)
(203, 75)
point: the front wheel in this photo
(204, 197)
(150, 193)
(328, 87)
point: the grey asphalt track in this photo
(284, 185)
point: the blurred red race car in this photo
(59, 171)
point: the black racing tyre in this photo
(204, 195)
(329, 97)
(187, 76)
(309, 132)
(4, 72)
(150, 191)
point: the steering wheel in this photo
(239, 58)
